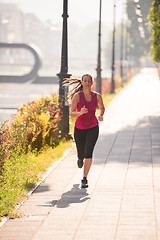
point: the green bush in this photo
(38, 123)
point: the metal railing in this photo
(32, 74)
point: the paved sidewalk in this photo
(123, 198)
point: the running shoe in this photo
(84, 183)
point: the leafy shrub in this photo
(39, 121)
(34, 126)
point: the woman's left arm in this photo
(101, 107)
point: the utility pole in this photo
(113, 51)
(99, 78)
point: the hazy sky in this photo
(80, 11)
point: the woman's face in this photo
(87, 81)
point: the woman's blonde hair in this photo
(77, 88)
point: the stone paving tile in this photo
(18, 234)
(136, 236)
(134, 221)
(53, 236)
(59, 225)
(94, 235)
(15, 238)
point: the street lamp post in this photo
(99, 78)
(113, 51)
(122, 50)
(64, 106)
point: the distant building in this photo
(17, 27)
(11, 23)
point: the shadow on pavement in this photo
(75, 195)
(42, 188)
(136, 143)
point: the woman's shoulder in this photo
(98, 95)
(95, 93)
(76, 96)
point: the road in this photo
(13, 95)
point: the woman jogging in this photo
(83, 106)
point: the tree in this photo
(139, 45)
(154, 17)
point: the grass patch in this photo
(21, 173)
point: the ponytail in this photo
(75, 89)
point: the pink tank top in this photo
(87, 120)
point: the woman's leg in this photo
(87, 166)
(91, 139)
(79, 136)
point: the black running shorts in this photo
(85, 141)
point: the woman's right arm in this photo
(74, 103)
